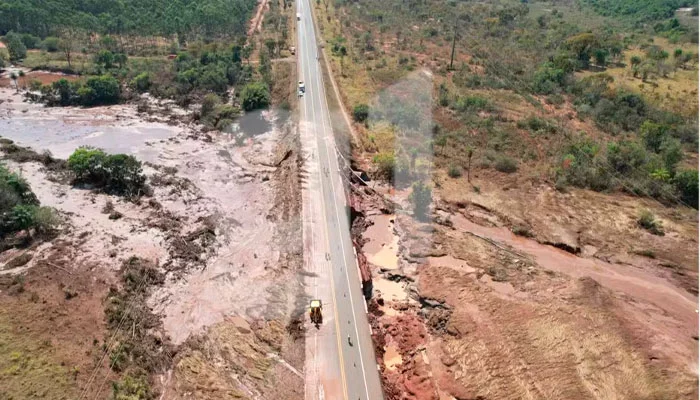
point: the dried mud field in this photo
(221, 231)
(584, 305)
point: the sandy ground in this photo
(464, 308)
(215, 225)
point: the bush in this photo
(506, 165)
(87, 164)
(209, 104)
(549, 79)
(686, 182)
(45, 220)
(15, 47)
(30, 41)
(654, 135)
(50, 44)
(131, 388)
(421, 197)
(142, 82)
(626, 157)
(105, 58)
(648, 221)
(213, 79)
(470, 103)
(538, 125)
(360, 112)
(19, 207)
(103, 90)
(454, 171)
(115, 173)
(255, 95)
(386, 165)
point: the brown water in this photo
(382, 247)
(61, 130)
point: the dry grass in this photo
(677, 93)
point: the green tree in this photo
(421, 197)
(104, 90)
(385, 163)
(672, 154)
(142, 82)
(87, 164)
(15, 46)
(360, 112)
(69, 36)
(601, 57)
(654, 135)
(50, 44)
(686, 183)
(626, 157)
(255, 95)
(104, 58)
(583, 46)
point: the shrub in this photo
(131, 387)
(45, 220)
(470, 103)
(124, 174)
(686, 182)
(360, 112)
(30, 41)
(105, 58)
(50, 44)
(506, 165)
(454, 171)
(626, 157)
(214, 79)
(386, 164)
(648, 221)
(255, 95)
(537, 125)
(421, 197)
(116, 173)
(521, 230)
(142, 82)
(654, 135)
(549, 79)
(15, 47)
(103, 90)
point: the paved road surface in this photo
(335, 369)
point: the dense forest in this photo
(639, 10)
(209, 18)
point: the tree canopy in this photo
(196, 18)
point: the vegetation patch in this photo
(140, 347)
(648, 221)
(115, 173)
(20, 210)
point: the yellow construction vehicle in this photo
(315, 312)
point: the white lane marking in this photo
(342, 246)
(322, 204)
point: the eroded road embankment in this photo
(465, 308)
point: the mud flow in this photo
(222, 225)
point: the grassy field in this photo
(677, 93)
